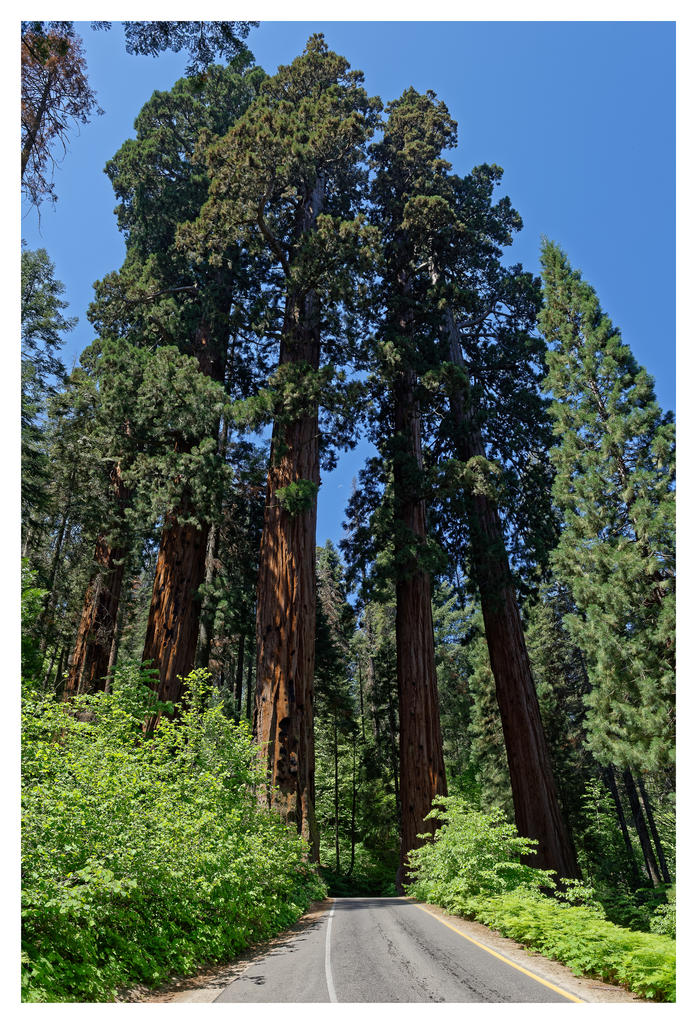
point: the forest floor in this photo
(419, 954)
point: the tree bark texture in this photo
(91, 656)
(173, 622)
(172, 630)
(90, 661)
(286, 594)
(640, 826)
(535, 799)
(239, 674)
(422, 770)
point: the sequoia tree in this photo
(285, 180)
(408, 166)
(163, 297)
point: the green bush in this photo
(663, 920)
(145, 857)
(472, 869)
(582, 939)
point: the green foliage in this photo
(33, 598)
(145, 857)
(581, 939)
(614, 486)
(472, 868)
(298, 497)
(473, 853)
(663, 920)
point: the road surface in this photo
(386, 950)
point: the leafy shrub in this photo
(583, 940)
(663, 920)
(471, 868)
(473, 852)
(145, 857)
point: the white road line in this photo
(327, 959)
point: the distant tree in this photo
(43, 328)
(56, 97)
(614, 486)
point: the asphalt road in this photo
(385, 950)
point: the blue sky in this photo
(580, 115)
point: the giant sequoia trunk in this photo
(286, 593)
(535, 800)
(173, 622)
(286, 601)
(422, 771)
(91, 656)
(172, 631)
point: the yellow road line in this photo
(535, 977)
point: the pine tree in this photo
(615, 461)
(43, 328)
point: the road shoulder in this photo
(590, 990)
(207, 984)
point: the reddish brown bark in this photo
(286, 605)
(173, 622)
(90, 661)
(172, 631)
(535, 799)
(286, 593)
(422, 770)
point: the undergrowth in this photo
(145, 857)
(473, 868)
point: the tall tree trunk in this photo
(640, 826)
(421, 766)
(91, 655)
(172, 630)
(286, 594)
(360, 691)
(609, 776)
(45, 617)
(114, 652)
(90, 661)
(58, 678)
(654, 831)
(205, 626)
(173, 622)
(250, 667)
(535, 799)
(336, 798)
(353, 810)
(239, 674)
